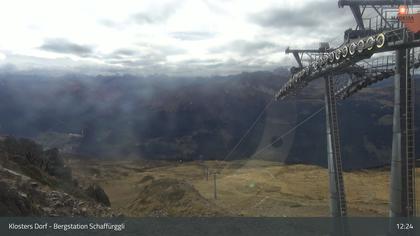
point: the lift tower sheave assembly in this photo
(396, 30)
(299, 53)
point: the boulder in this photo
(55, 165)
(98, 194)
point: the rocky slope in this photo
(34, 182)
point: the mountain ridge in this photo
(192, 118)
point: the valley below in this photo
(253, 188)
(144, 146)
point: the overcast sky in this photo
(174, 37)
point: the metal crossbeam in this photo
(380, 71)
(349, 54)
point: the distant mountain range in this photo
(160, 117)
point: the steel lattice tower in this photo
(386, 34)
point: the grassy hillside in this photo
(244, 188)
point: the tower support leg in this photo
(403, 158)
(336, 184)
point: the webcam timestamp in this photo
(405, 226)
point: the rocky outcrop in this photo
(28, 154)
(171, 197)
(98, 194)
(34, 182)
(63, 204)
(21, 195)
(55, 165)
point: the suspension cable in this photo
(289, 131)
(248, 130)
(283, 135)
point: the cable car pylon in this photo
(390, 33)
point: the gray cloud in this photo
(124, 52)
(246, 48)
(200, 67)
(315, 15)
(138, 59)
(64, 46)
(192, 35)
(201, 61)
(153, 52)
(157, 15)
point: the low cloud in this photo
(158, 14)
(315, 15)
(66, 47)
(145, 55)
(124, 52)
(137, 60)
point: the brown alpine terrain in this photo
(37, 182)
(134, 146)
(244, 188)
